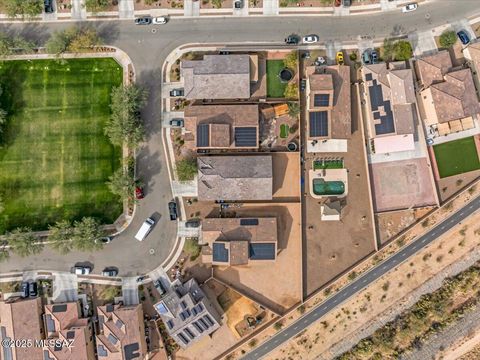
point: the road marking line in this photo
(295, 328)
(433, 233)
(364, 280)
(461, 213)
(305, 321)
(355, 287)
(285, 334)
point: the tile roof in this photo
(432, 68)
(217, 77)
(235, 177)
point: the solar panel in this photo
(59, 308)
(246, 136)
(368, 77)
(249, 222)
(101, 351)
(262, 251)
(203, 135)
(206, 317)
(220, 253)
(199, 329)
(321, 99)
(318, 123)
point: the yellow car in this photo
(340, 58)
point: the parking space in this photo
(130, 290)
(364, 43)
(465, 26)
(167, 87)
(65, 287)
(185, 231)
(423, 43)
(332, 47)
(243, 11)
(170, 115)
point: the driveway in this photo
(148, 51)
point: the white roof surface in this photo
(394, 143)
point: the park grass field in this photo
(275, 87)
(56, 158)
(456, 157)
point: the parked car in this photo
(463, 36)
(176, 122)
(172, 208)
(306, 55)
(48, 6)
(160, 20)
(145, 229)
(176, 92)
(366, 57)
(430, 141)
(410, 7)
(24, 290)
(141, 278)
(346, 3)
(104, 240)
(192, 223)
(159, 286)
(139, 194)
(292, 39)
(339, 58)
(33, 292)
(146, 20)
(374, 56)
(310, 39)
(82, 270)
(110, 271)
(303, 84)
(238, 4)
(224, 52)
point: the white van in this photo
(145, 229)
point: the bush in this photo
(192, 248)
(22, 8)
(291, 91)
(448, 38)
(186, 169)
(403, 50)
(97, 5)
(291, 60)
(353, 56)
(278, 325)
(73, 39)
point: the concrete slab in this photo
(270, 7)
(126, 9)
(130, 291)
(65, 287)
(423, 43)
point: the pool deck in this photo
(328, 175)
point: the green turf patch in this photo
(327, 164)
(456, 157)
(57, 159)
(284, 129)
(275, 87)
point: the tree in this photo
(186, 169)
(291, 60)
(291, 91)
(22, 45)
(22, 8)
(403, 50)
(73, 39)
(448, 38)
(293, 109)
(84, 40)
(85, 234)
(125, 126)
(61, 236)
(97, 5)
(23, 242)
(122, 183)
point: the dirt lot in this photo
(276, 285)
(391, 223)
(384, 294)
(286, 176)
(401, 184)
(452, 184)
(331, 247)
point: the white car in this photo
(410, 7)
(310, 39)
(82, 270)
(161, 20)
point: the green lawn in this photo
(275, 87)
(284, 130)
(327, 164)
(56, 159)
(456, 157)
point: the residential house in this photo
(187, 313)
(472, 53)
(239, 241)
(221, 127)
(121, 332)
(220, 76)
(237, 178)
(63, 322)
(390, 115)
(21, 319)
(448, 100)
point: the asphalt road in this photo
(149, 50)
(363, 281)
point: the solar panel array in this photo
(248, 221)
(220, 253)
(377, 102)
(318, 123)
(321, 99)
(203, 135)
(262, 251)
(245, 136)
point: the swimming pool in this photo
(322, 187)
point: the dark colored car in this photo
(238, 4)
(25, 290)
(172, 209)
(33, 291)
(292, 39)
(366, 57)
(374, 56)
(110, 272)
(346, 3)
(192, 223)
(176, 122)
(463, 36)
(48, 6)
(159, 286)
(306, 55)
(143, 20)
(303, 84)
(141, 278)
(139, 193)
(176, 92)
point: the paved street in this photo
(363, 281)
(148, 51)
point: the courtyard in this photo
(55, 159)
